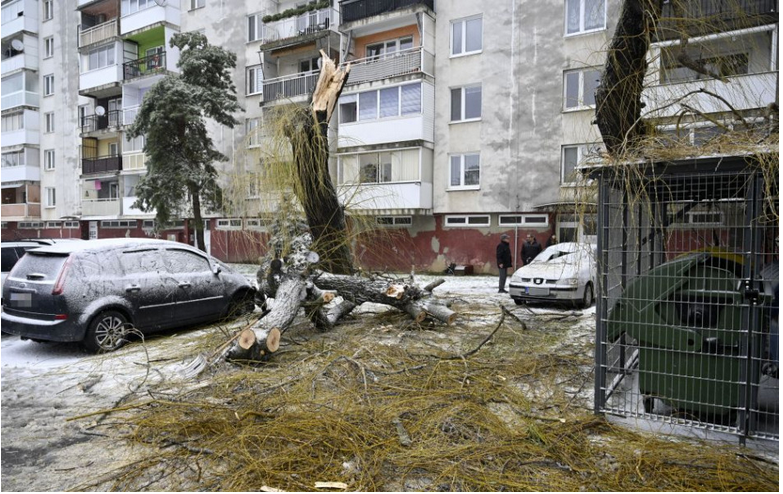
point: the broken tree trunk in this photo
(308, 133)
(618, 104)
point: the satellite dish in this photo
(17, 45)
(100, 111)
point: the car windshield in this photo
(40, 264)
(555, 252)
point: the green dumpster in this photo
(686, 317)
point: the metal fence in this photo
(687, 330)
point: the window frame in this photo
(51, 197)
(49, 122)
(524, 220)
(197, 4)
(463, 93)
(583, 150)
(580, 104)
(117, 224)
(228, 224)
(48, 83)
(254, 73)
(354, 99)
(581, 29)
(464, 36)
(384, 44)
(394, 221)
(258, 27)
(450, 221)
(341, 180)
(50, 160)
(48, 47)
(462, 185)
(48, 10)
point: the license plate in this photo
(537, 291)
(22, 299)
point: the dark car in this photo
(93, 291)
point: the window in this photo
(197, 4)
(54, 224)
(30, 224)
(100, 57)
(51, 200)
(574, 156)
(14, 158)
(394, 220)
(131, 6)
(71, 224)
(48, 81)
(255, 28)
(465, 103)
(468, 221)
(254, 224)
(583, 16)
(49, 122)
(388, 48)
(118, 224)
(466, 36)
(309, 65)
(579, 88)
(48, 9)
(382, 167)
(49, 163)
(725, 65)
(255, 80)
(13, 122)
(229, 224)
(251, 132)
(537, 220)
(49, 47)
(383, 103)
(464, 171)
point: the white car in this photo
(564, 272)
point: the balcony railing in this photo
(290, 86)
(698, 9)
(19, 98)
(353, 10)
(20, 61)
(144, 66)
(723, 15)
(310, 22)
(101, 165)
(91, 123)
(391, 65)
(101, 32)
(101, 207)
(22, 210)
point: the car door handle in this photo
(184, 284)
(133, 288)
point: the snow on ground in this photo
(45, 385)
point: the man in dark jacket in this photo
(530, 249)
(503, 253)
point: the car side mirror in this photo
(217, 269)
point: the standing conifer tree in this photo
(180, 152)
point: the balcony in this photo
(19, 98)
(153, 14)
(19, 16)
(135, 162)
(21, 137)
(290, 86)
(104, 164)
(21, 173)
(713, 16)
(101, 207)
(100, 83)
(293, 27)
(153, 64)
(129, 210)
(354, 10)
(101, 32)
(23, 60)
(402, 63)
(388, 196)
(92, 123)
(21, 211)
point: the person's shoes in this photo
(502, 291)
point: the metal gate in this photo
(687, 318)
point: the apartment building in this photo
(460, 120)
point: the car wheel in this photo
(587, 298)
(519, 301)
(107, 332)
(241, 303)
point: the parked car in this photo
(564, 272)
(13, 251)
(93, 291)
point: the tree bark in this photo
(308, 134)
(618, 97)
(197, 219)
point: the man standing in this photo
(503, 253)
(552, 241)
(530, 249)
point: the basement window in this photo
(467, 221)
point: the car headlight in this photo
(571, 281)
(515, 279)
